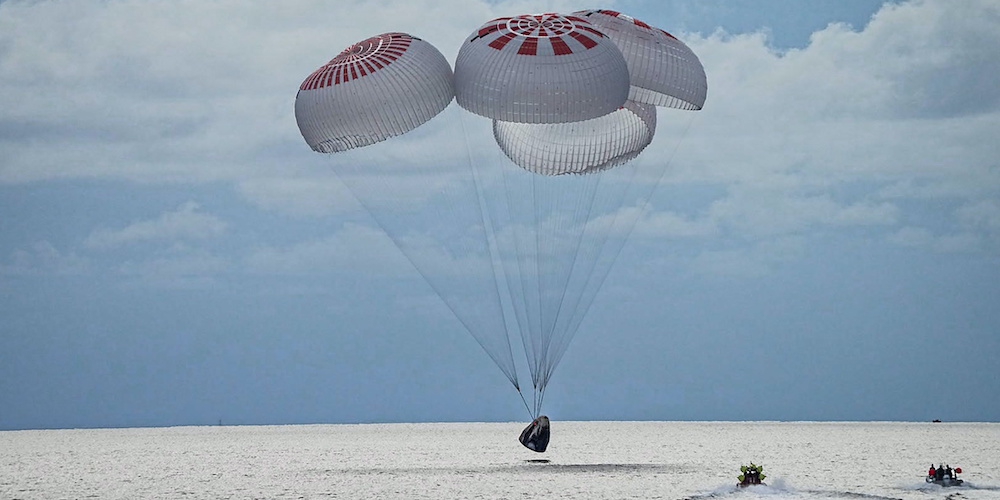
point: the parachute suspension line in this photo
(517, 260)
(528, 409)
(538, 341)
(397, 240)
(551, 226)
(536, 404)
(644, 200)
(488, 230)
(602, 239)
(527, 253)
(518, 253)
(568, 230)
(521, 262)
(539, 396)
(585, 207)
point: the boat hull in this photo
(946, 482)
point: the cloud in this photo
(353, 248)
(962, 181)
(923, 238)
(674, 225)
(928, 78)
(959, 243)
(911, 237)
(975, 228)
(763, 212)
(853, 105)
(749, 262)
(403, 172)
(363, 249)
(44, 259)
(984, 214)
(185, 223)
(307, 196)
(180, 92)
(178, 267)
(865, 214)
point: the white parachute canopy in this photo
(375, 89)
(516, 240)
(663, 70)
(544, 68)
(578, 147)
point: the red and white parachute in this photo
(662, 70)
(375, 89)
(516, 218)
(543, 68)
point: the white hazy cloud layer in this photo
(185, 223)
(844, 133)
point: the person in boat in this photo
(930, 472)
(944, 475)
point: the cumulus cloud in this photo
(674, 225)
(177, 267)
(846, 108)
(185, 223)
(983, 214)
(847, 131)
(354, 247)
(923, 238)
(44, 259)
(911, 237)
(748, 262)
(186, 91)
(962, 181)
(308, 196)
(365, 249)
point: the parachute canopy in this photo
(662, 69)
(375, 89)
(578, 147)
(545, 68)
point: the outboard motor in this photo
(535, 436)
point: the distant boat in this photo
(944, 477)
(751, 475)
(936, 421)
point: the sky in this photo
(824, 244)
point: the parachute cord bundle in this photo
(486, 216)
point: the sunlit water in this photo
(671, 460)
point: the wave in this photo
(778, 489)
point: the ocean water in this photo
(585, 460)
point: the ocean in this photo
(585, 460)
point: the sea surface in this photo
(585, 460)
